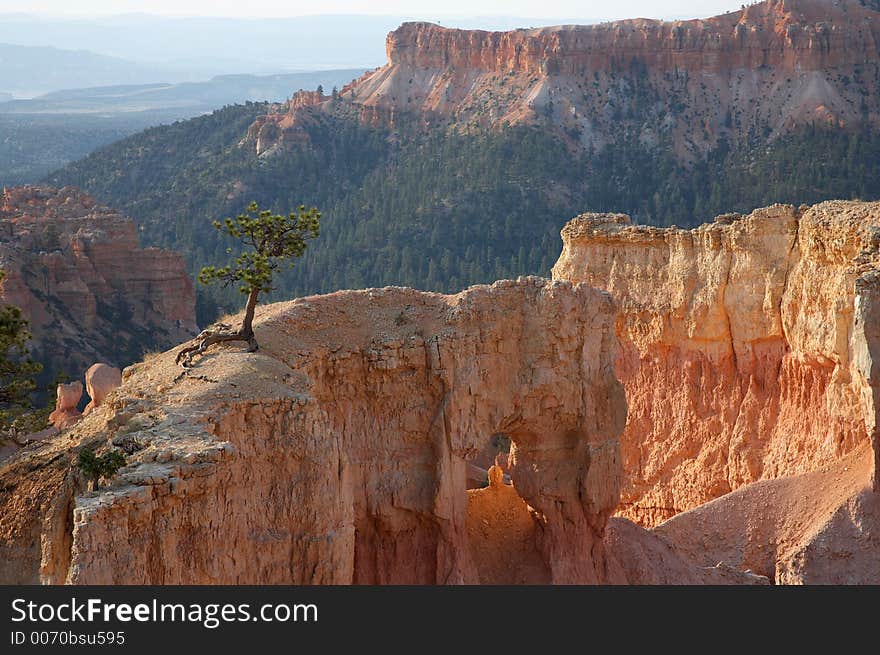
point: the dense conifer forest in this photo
(440, 210)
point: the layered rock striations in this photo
(787, 35)
(287, 124)
(748, 346)
(762, 71)
(90, 292)
(338, 453)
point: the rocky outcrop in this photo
(744, 430)
(747, 346)
(67, 399)
(765, 69)
(87, 288)
(101, 379)
(338, 452)
(287, 124)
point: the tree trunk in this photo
(247, 324)
(223, 333)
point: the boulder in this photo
(66, 412)
(101, 379)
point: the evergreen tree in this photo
(17, 371)
(269, 239)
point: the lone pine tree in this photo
(269, 240)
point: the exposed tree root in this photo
(215, 334)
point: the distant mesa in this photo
(764, 69)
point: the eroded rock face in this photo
(503, 536)
(87, 288)
(775, 65)
(286, 124)
(338, 453)
(748, 347)
(781, 34)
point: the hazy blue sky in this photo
(585, 9)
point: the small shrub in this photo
(95, 467)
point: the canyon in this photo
(89, 291)
(756, 73)
(683, 406)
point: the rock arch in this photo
(337, 454)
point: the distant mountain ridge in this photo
(212, 46)
(189, 98)
(30, 71)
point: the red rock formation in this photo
(87, 288)
(787, 35)
(339, 452)
(287, 123)
(100, 381)
(66, 412)
(344, 441)
(748, 346)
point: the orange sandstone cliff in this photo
(337, 454)
(717, 385)
(748, 347)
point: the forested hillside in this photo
(43, 134)
(33, 146)
(437, 210)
